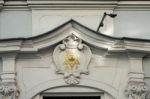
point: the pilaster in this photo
(8, 85)
(136, 88)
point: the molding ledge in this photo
(90, 4)
(90, 37)
(70, 4)
(79, 4)
(133, 5)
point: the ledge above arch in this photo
(91, 37)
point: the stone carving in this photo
(72, 59)
(136, 90)
(8, 90)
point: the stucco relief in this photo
(72, 59)
(136, 90)
(8, 90)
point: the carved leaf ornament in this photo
(72, 59)
(136, 90)
(9, 91)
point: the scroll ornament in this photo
(8, 90)
(136, 90)
(72, 59)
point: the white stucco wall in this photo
(24, 23)
(46, 20)
(36, 73)
(134, 24)
(113, 64)
(109, 70)
(15, 23)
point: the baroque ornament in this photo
(136, 90)
(8, 90)
(72, 59)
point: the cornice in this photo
(133, 5)
(90, 37)
(15, 3)
(90, 4)
(78, 4)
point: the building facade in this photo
(51, 49)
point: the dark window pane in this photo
(71, 97)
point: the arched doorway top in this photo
(60, 83)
